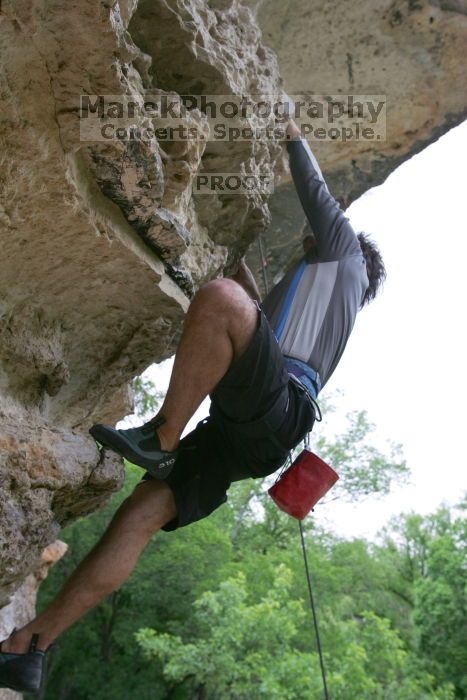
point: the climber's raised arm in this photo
(334, 235)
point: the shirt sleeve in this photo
(334, 235)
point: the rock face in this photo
(104, 242)
(409, 50)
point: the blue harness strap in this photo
(306, 374)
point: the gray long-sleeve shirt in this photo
(312, 309)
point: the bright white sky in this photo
(404, 360)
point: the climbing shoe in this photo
(139, 446)
(24, 673)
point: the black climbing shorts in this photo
(218, 452)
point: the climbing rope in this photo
(313, 610)
(306, 443)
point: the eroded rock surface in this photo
(104, 243)
(48, 476)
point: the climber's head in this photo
(374, 267)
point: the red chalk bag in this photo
(301, 486)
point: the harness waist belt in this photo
(306, 374)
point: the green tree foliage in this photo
(431, 558)
(214, 620)
(363, 468)
(241, 650)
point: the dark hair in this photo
(374, 266)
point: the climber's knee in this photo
(223, 295)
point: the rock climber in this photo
(262, 364)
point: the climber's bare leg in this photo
(219, 324)
(105, 567)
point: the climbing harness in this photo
(331, 476)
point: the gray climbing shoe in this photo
(139, 446)
(24, 673)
